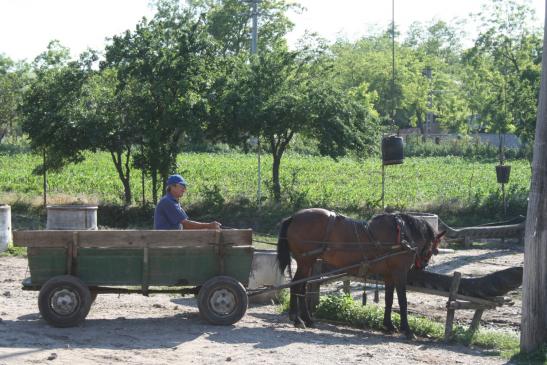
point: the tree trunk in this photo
(534, 296)
(128, 196)
(154, 175)
(275, 177)
(123, 173)
(278, 147)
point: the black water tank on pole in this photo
(392, 150)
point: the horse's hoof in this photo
(409, 335)
(299, 323)
(310, 324)
(389, 328)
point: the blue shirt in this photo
(169, 213)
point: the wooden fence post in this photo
(534, 296)
(450, 311)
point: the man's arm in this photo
(189, 224)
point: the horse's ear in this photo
(440, 235)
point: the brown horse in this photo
(389, 245)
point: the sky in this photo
(27, 26)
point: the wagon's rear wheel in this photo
(222, 300)
(64, 301)
(94, 294)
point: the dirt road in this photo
(164, 329)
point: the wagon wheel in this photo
(94, 294)
(64, 301)
(222, 300)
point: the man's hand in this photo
(189, 224)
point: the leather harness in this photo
(327, 245)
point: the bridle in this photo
(421, 261)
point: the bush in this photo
(463, 147)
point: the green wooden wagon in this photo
(69, 269)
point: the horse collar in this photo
(402, 236)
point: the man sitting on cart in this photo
(170, 215)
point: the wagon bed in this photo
(215, 264)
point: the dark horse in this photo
(389, 245)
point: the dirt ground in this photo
(167, 329)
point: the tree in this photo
(107, 118)
(229, 21)
(369, 61)
(508, 53)
(281, 93)
(169, 61)
(436, 39)
(13, 79)
(71, 108)
(49, 106)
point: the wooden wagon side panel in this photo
(111, 266)
(131, 239)
(170, 266)
(45, 263)
(195, 266)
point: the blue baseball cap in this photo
(176, 179)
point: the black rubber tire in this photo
(94, 294)
(64, 301)
(222, 300)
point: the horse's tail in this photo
(283, 252)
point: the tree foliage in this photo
(108, 118)
(186, 76)
(282, 93)
(49, 107)
(14, 78)
(505, 65)
(167, 63)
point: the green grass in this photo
(14, 251)
(344, 309)
(264, 242)
(218, 181)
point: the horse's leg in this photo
(388, 324)
(297, 301)
(295, 292)
(304, 308)
(401, 296)
(293, 304)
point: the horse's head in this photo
(426, 239)
(422, 259)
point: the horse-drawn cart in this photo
(69, 268)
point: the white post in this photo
(254, 38)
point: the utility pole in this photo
(254, 34)
(393, 62)
(254, 38)
(45, 179)
(427, 72)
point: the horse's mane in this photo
(418, 229)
